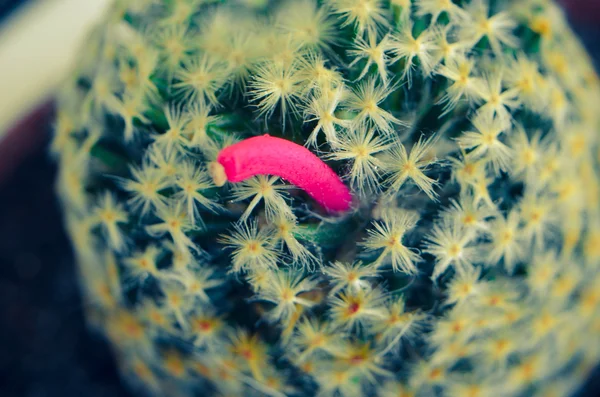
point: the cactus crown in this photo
(466, 132)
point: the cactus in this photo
(467, 262)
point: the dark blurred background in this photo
(7, 6)
(45, 348)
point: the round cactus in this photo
(337, 197)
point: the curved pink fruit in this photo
(267, 155)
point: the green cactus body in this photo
(466, 131)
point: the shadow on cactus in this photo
(423, 218)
